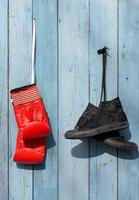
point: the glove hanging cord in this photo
(104, 62)
(33, 77)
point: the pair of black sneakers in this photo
(103, 122)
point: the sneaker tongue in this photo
(111, 105)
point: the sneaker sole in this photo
(127, 146)
(76, 134)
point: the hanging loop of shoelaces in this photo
(104, 62)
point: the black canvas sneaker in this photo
(98, 120)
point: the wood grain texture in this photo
(4, 100)
(73, 97)
(103, 32)
(45, 13)
(129, 93)
(20, 38)
(68, 71)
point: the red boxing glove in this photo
(30, 113)
(29, 152)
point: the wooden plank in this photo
(73, 97)
(20, 37)
(45, 13)
(4, 100)
(103, 32)
(129, 93)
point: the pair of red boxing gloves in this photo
(33, 125)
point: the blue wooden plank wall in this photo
(68, 71)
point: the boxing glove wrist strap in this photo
(25, 94)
